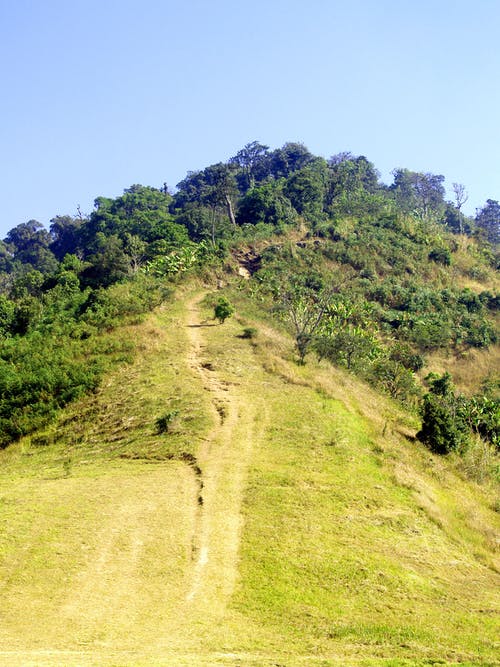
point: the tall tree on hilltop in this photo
(214, 188)
(291, 157)
(64, 234)
(248, 158)
(417, 192)
(461, 197)
(29, 243)
(488, 220)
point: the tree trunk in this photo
(230, 211)
(213, 227)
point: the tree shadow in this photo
(203, 324)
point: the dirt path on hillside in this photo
(147, 564)
(223, 460)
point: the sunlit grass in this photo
(358, 546)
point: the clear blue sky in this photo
(100, 94)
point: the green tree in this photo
(306, 189)
(248, 159)
(223, 309)
(350, 347)
(420, 193)
(266, 204)
(488, 221)
(288, 159)
(306, 306)
(29, 243)
(64, 232)
(214, 188)
(443, 428)
(108, 264)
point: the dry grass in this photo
(468, 369)
(326, 536)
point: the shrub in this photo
(249, 332)
(443, 427)
(440, 256)
(439, 431)
(223, 309)
(393, 378)
(164, 423)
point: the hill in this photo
(285, 516)
(252, 422)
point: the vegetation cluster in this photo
(373, 277)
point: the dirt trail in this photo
(154, 554)
(223, 460)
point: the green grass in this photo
(357, 546)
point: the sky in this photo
(98, 95)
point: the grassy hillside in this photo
(214, 503)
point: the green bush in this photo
(443, 426)
(440, 256)
(249, 332)
(223, 309)
(164, 423)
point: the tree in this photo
(221, 189)
(488, 220)
(248, 159)
(29, 244)
(306, 189)
(421, 193)
(443, 429)
(135, 248)
(291, 157)
(223, 309)
(64, 232)
(266, 203)
(141, 211)
(215, 188)
(461, 195)
(108, 264)
(350, 346)
(456, 221)
(26, 234)
(305, 308)
(353, 185)
(352, 173)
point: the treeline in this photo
(63, 290)
(257, 188)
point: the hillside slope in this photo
(281, 515)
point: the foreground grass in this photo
(374, 549)
(358, 547)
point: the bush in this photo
(440, 256)
(393, 378)
(164, 423)
(439, 431)
(223, 309)
(443, 427)
(249, 332)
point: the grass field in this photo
(284, 517)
